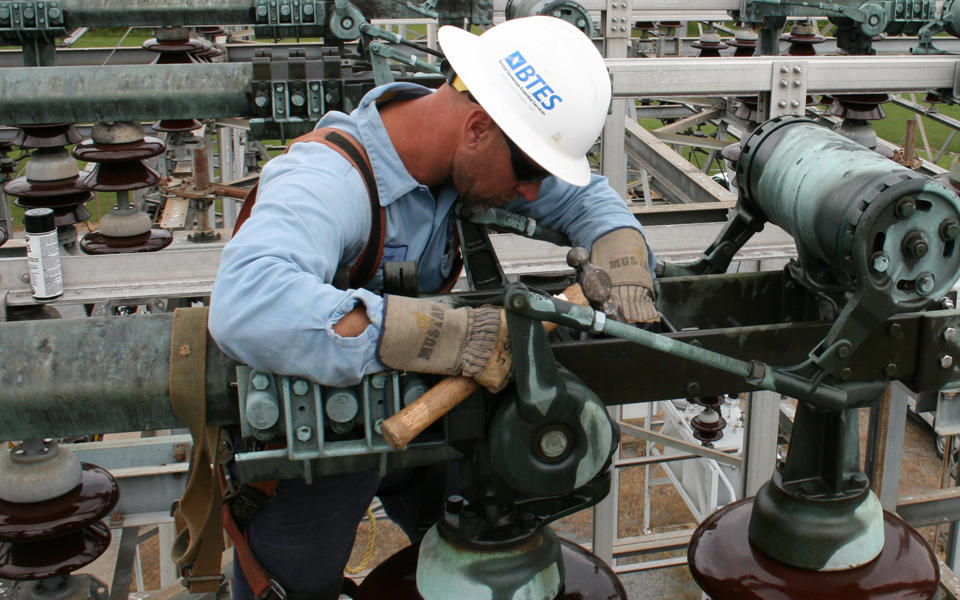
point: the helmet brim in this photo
(458, 47)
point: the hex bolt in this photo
(798, 69)
(926, 283)
(784, 69)
(378, 381)
(949, 333)
(782, 104)
(946, 361)
(915, 244)
(784, 83)
(797, 83)
(949, 230)
(301, 387)
(844, 350)
(895, 330)
(890, 370)
(454, 503)
(693, 389)
(346, 23)
(378, 426)
(554, 443)
(880, 262)
(846, 373)
(25, 277)
(297, 99)
(260, 381)
(794, 103)
(905, 208)
(304, 433)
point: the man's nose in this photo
(528, 190)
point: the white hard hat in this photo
(544, 84)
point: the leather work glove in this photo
(429, 337)
(622, 253)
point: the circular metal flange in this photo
(585, 577)
(728, 567)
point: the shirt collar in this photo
(393, 179)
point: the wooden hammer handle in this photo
(399, 429)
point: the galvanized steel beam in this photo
(125, 93)
(671, 172)
(66, 377)
(930, 508)
(80, 94)
(735, 76)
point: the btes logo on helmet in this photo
(529, 79)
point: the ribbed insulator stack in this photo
(119, 149)
(708, 425)
(709, 44)
(803, 37)
(857, 110)
(174, 46)
(51, 506)
(52, 178)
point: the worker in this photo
(522, 106)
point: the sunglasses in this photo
(523, 169)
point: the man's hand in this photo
(429, 337)
(622, 253)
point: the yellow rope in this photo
(369, 550)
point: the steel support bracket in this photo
(788, 89)
(618, 22)
(286, 13)
(30, 18)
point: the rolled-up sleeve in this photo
(273, 306)
(583, 213)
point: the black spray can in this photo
(43, 254)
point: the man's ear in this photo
(478, 128)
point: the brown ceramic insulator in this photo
(860, 106)
(119, 165)
(211, 31)
(181, 50)
(802, 44)
(727, 567)
(176, 125)
(60, 556)
(46, 136)
(174, 52)
(51, 194)
(744, 48)
(82, 506)
(747, 110)
(208, 52)
(709, 49)
(586, 577)
(645, 26)
(151, 241)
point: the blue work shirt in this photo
(273, 306)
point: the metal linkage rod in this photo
(65, 377)
(125, 93)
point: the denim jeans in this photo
(304, 536)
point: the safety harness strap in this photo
(347, 146)
(199, 543)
